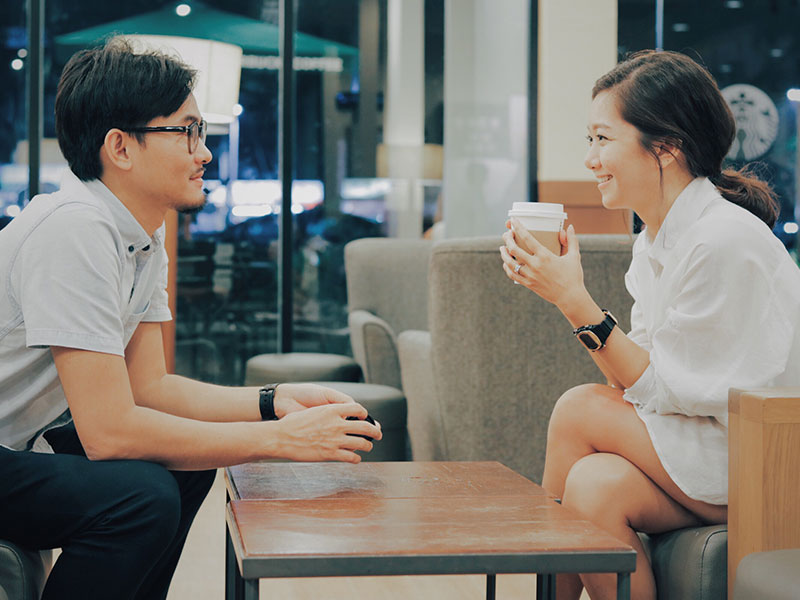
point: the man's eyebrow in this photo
(192, 119)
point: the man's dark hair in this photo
(114, 86)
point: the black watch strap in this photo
(594, 337)
(266, 402)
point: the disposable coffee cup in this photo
(542, 219)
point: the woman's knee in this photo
(572, 406)
(597, 487)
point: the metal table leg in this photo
(250, 589)
(623, 586)
(545, 586)
(233, 580)
(491, 587)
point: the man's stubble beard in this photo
(192, 209)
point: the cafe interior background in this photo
(404, 118)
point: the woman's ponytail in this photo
(748, 191)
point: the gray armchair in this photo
(497, 357)
(387, 293)
(482, 382)
(22, 572)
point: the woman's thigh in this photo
(596, 416)
(610, 490)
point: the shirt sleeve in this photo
(725, 328)
(159, 311)
(638, 332)
(67, 282)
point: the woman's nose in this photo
(590, 160)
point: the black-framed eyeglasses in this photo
(194, 132)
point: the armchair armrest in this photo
(763, 473)
(424, 420)
(374, 348)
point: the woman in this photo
(716, 305)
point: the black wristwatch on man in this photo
(594, 336)
(266, 402)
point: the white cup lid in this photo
(548, 210)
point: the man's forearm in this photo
(183, 444)
(184, 397)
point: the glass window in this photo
(13, 113)
(226, 267)
(345, 183)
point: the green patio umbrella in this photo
(253, 36)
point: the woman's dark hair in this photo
(674, 102)
(114, 86)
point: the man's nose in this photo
(203, 153)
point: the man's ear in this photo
(116, 149)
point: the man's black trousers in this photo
(121, 524)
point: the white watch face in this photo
(756, 121)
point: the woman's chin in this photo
(608, 201)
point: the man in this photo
(104, 454)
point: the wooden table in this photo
(406, 518)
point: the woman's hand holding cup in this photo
(557, 279)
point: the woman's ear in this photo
(115, 149)
(668, 154)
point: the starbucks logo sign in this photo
(756, 121)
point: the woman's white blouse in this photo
(717, 305)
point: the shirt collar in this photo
(683, 213)
(133, 234)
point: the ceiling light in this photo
(680, 27)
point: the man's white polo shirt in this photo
(76, 270)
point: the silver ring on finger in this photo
(517, 268)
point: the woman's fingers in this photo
(572, 241)
(511, 244)
(533, 245)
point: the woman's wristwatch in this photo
(594, 336)
(266, 402)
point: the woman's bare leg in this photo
(615, 495)
(594, 418)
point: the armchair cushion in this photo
(374, 348)
(387, 293)
(691, 563)
(22, 572)
(424, 416)
(772, 575)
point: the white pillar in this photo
(401, 155)
(577, 45)
(485, 111)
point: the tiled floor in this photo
(201, 576)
